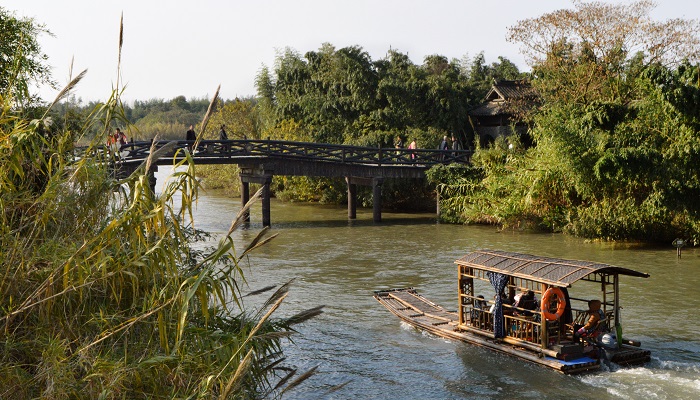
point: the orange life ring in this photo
(547, 298)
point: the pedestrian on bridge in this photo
(455, 146)
(224, 136)
(222, 133)
(121, 137)
(413, 146)
(190, 137)
(398, 144)
(112, 143)
(444, 146)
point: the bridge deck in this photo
(260, 160)
(301, 159)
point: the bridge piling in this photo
(257, 174)
(377, 199)
(352, 199)
(245, 197)
(266, 220)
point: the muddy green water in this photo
(358, 345)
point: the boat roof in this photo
(552, 271)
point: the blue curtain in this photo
(498, 281)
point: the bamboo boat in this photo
(544, 335)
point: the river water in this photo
(363, 351)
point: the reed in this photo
(102, 294)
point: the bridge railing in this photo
(296, 150)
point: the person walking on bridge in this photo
(224, 136)
(412, 146)
(190, 137)
(455, 146)
(444, 146)
(121, 137)
(222, 133)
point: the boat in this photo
(547, 335)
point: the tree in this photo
(447, 97)
(616, 133)
(401, 94)
(607, 31)
(22, 63)
(584, 52)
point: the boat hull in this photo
(423, 314)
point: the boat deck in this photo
(422, 313)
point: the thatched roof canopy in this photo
(551, 271)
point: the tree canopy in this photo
(343, 96)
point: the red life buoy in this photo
(549, 296)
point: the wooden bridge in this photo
(260, 160)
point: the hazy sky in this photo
(188, 48)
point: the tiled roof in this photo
(499, 94)
(506, 90)
(486, 109)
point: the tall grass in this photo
(102, 294)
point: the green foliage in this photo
(452, 174)
(302, 188)
(22, 63)
(169, 120)
(613, 170)
(342, 96)
(497, 190)
(240, 118)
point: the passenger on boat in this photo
(504, 300)
(480, 303)
(593, 326)
(480, 306)
(526, 300)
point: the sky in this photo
(188, 48)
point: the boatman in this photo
(593, 325)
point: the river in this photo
(363, 351)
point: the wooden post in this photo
(352, 199)
(266, 204)
(245, 196)
(377, 199)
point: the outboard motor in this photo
(608, 342)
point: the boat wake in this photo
(658, 379)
